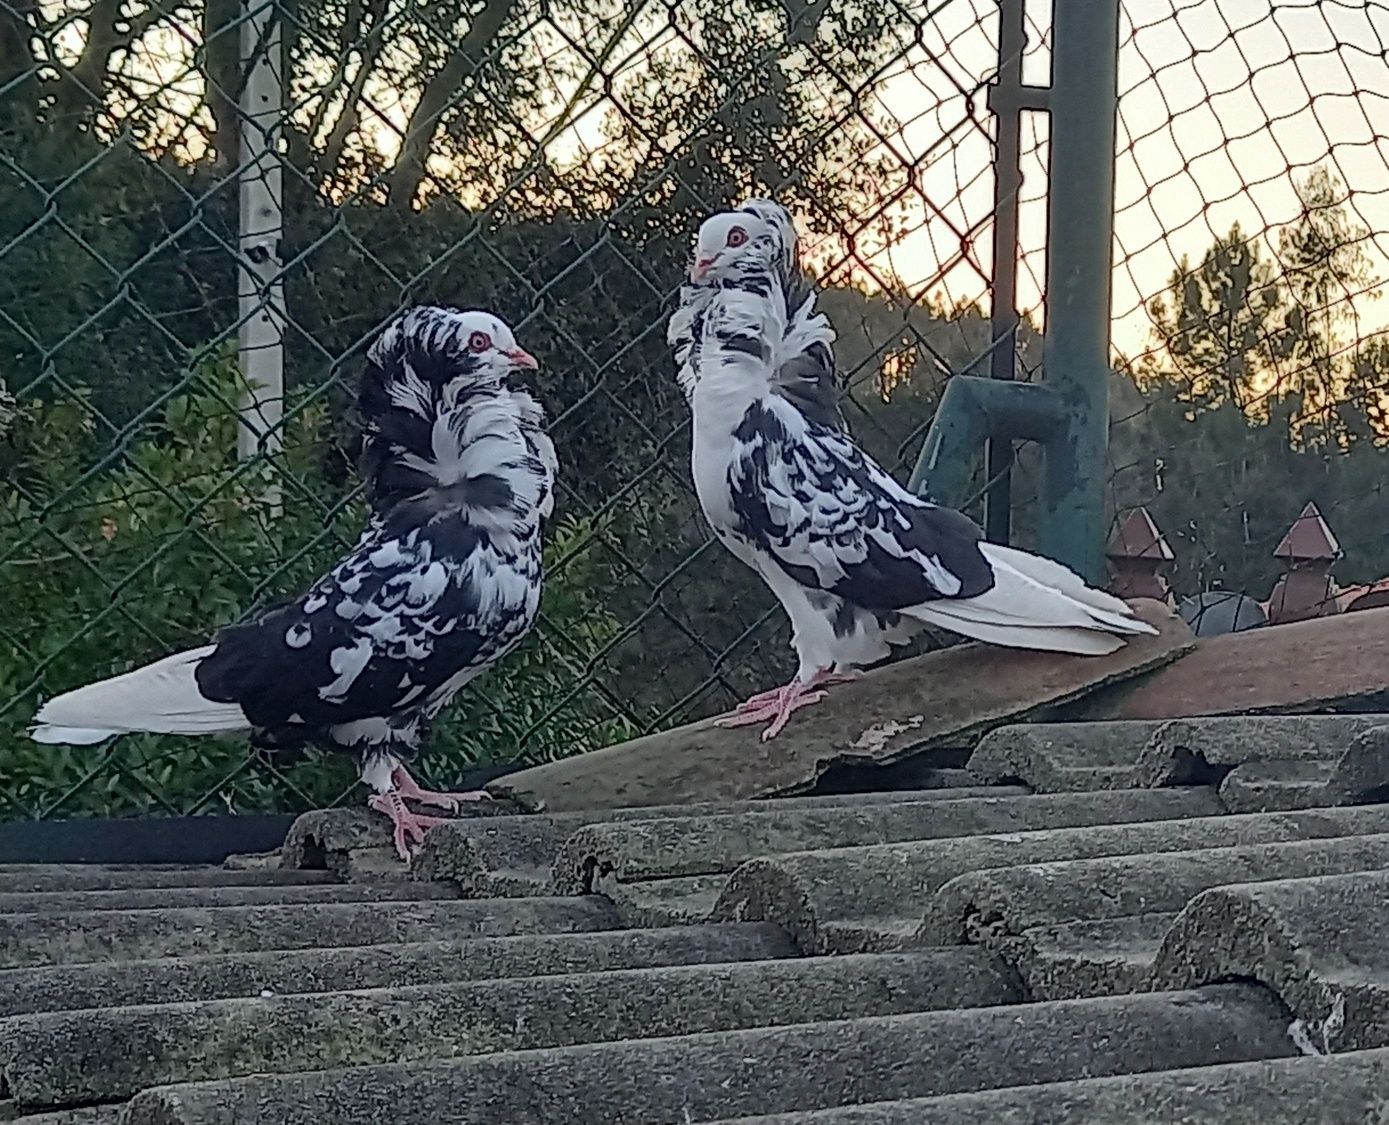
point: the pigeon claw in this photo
(762, 704)
(786, 702)
(410, 790)
(408, 827)
(756, 702)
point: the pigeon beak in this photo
(701, 267)
(521, 358)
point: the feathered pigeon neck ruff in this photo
(736, 342)
(434, 414)
(685, 328)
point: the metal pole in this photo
(261, 304)
(1080, 237)
(1005, 101)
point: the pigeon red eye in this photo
(479, 342)
(737, 236)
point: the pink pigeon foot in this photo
(825, 678)
(788, 701)
(409, 827)
(409, 788)
(822, 679)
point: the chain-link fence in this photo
(1251, 243)
(197, 190)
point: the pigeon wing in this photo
(833, 520)
(383, 629)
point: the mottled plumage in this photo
(444, 580)
(805, 376)
(835, 536)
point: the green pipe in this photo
(1080, 224)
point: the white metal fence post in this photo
(261, 311)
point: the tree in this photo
(1255, 398)
(1219, 326)
(402, 100)
(120, 238)
(542, 157)
(1326, 269)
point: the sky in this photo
(1222, 104)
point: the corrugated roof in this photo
(1132, 921)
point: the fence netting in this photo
(550, 161)
(1251, 232)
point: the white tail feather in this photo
(1051, 573)
(71, 736)
(1081, 642)
(1036, 603)
(160, 698)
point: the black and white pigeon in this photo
(826, 527)
(805, 374)
(444, 581)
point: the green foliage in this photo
(110, 562)
(563, 154)
(553, 162)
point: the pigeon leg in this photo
(409, 788)
(826, 678)
(758, 701)
(822, 678)
(788, 701)
(408, 827)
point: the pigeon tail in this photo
(160, 698)
(1036, 603)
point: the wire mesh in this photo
(550, 161)
(1251, 225)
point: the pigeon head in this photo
(783, 229)
(445, 352)
(732, 239)
(430, 363)
(428, 358)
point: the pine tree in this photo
(1219, 326)
(1257, 396)
(1326, 269)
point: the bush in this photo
(109, 561)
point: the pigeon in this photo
(806, 375)
(444, 581)
(828, 530)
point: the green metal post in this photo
(1080, 225)
(996, 411)
(971, 409)
(1006, 102)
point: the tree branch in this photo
(351, 116)
(803, 18)
(222, 75)
(438, 95)
(92, 83)
(351, 30)
(86, 82)
(154, 14)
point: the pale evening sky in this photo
(1221, 103)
